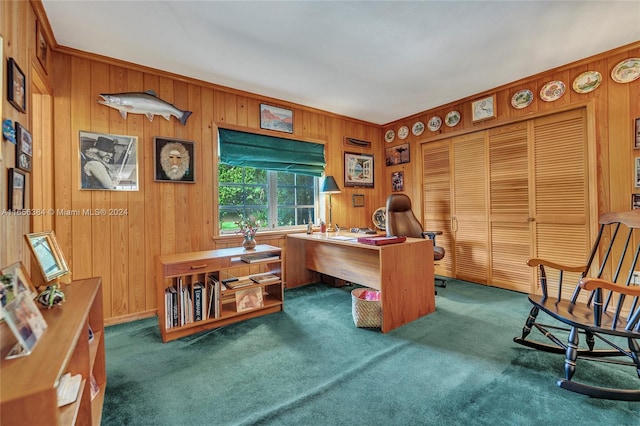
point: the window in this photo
(279, 200)
(272, 179)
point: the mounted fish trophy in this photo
(147, 103)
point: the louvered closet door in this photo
(436, 198)
(509, 217)
(560, 200)
(469, 208)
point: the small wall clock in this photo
(483, 109)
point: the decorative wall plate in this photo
(452, 118)
(403, 132)
(389, 136)
(417, 128)
(522, 99)
(587, 82)
(434, 123)
(552, 91)
(626, 71)
(379, 218)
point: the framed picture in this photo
(276, 118)
(397, 181)
(173, 160)
(26, 323)
(635, 201)
(357, 200)
(45, 249)
(483, 109)
(637, 176)
(636, 133)
(24, 148)
(16, 86)
(17, 181)
(248, 299)
(356, 143)
(108, 162)
(22, 281)
(397, 154)
(358, 170)
(42, 47)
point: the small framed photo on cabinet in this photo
(635, 201)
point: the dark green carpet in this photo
(310, 365)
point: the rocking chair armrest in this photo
(535, 262)
(593, 283)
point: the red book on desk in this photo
(379, 241)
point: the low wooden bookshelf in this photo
(28, 384)
(184, 308)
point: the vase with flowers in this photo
(248, 228)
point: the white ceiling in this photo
(373, 60)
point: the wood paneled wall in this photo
(18, 30)
(613, 108)
(166, 218)
(162, 217)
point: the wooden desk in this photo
(403, 272)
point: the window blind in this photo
(271, 153)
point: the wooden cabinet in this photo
(504, 195)
(28, 395)
(179, 276)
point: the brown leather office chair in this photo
(401, 222)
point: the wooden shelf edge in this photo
(69, 413)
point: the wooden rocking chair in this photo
(609, 312)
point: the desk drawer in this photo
(195, 267)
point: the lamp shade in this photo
(329, 185)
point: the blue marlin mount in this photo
(147, 103)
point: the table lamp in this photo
(329, 186)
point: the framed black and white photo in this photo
(108, 162)
(173, 160)
(16, 86)
(358, 170)
(17, 181)
(276, 118)
(637, 175)
(636, 134)
(635, 201)
(24, 148)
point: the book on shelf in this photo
(68, 387)
(248, 299)
(214, 296)
(380, 241)
(259, 257)
(95, 389)
(241, 282)
(26, 323)
(171, 300)
(198, 295)
(266, 277)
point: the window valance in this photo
(271, 153)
